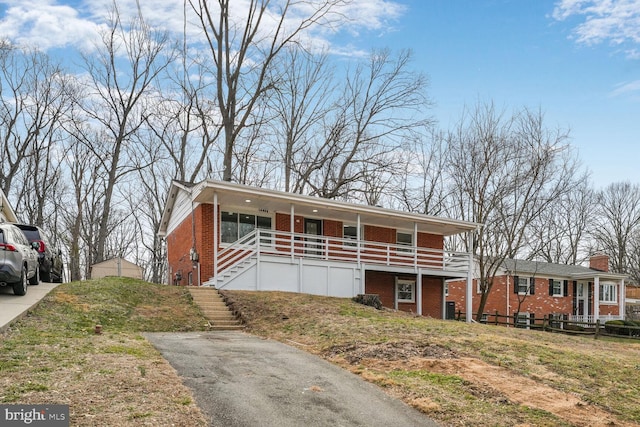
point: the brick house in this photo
(245, 238)
(531, 289)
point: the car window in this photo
(31, 234)
(19, 238)
(2, 236)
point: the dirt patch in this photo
(485, 381)
(403, 350)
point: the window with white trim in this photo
(235, 225)
(556, 286)
(350, 232)
(405, 290)
(404, 239)
(523, 285)
(608, 293)
(523, 320)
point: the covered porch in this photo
(308, 244)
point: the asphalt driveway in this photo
(240, 380)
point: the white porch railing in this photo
(296, 245)
(589, 318)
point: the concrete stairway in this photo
(215, 309)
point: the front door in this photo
(581, 298)
(313, 227)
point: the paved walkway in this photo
(13, 307)
(241, 380)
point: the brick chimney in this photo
(599, 262)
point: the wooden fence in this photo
(555, 324)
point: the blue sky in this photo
(515, 53)
(576, 60)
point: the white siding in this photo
(181, 210)
(315, 277)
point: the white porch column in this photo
(292, 226)
(469, 293)
(596, 298)
(622, 296)
(419, 292)
(215, 236)
(415, 245)
(358, 238)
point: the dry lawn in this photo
(456, 373)
(54, 356)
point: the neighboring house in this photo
(118, 267)
(6, 211)
(541, 289)
(633, 301)
(239, 237)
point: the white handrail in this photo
(298, 245)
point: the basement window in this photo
(406, 290)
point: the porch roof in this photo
(268, 201)
(547, 269)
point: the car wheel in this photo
(20, 288)
(35, 280)
(45, 275)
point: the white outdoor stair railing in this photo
(233, 259)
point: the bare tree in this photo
(381, 106)
(33, 97)
(505, 172)
(422, 186)
(561, 233)
(121, 77)
(300, 102)
(617, 222)
(243, 50)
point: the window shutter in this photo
(565, 288)
(575, 297)
(532, 285)
(590, 293)
(515, 284)
(550, 287)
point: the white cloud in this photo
(48, 24)
(626, 88)
(613, 21)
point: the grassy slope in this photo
(116, 378)
(381, 345)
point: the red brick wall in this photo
(283, 222)
(599, 262)
(540, 303)
(331, 228)
(179, 243)
(204, 239)
(384, 284)
(430, 241)
(432, 297)
(379, 234)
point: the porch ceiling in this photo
(270, 201)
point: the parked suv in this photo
(49, 256)
(18, 259)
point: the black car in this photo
(18, 259)
(49, 256)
